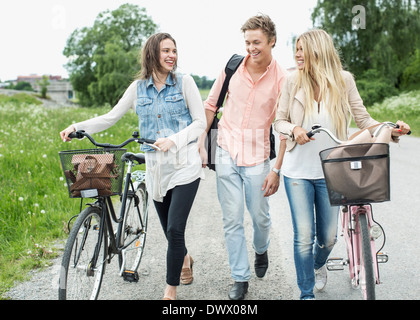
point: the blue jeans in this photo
(313, 218)
(233, 182)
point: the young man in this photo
(242, 156)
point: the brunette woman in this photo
(170, 111)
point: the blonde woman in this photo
(319, 91)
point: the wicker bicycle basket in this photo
(357, 174)
(93, 169)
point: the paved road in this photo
(400, 219)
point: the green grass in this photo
(34, 201)
(405, 106)
(204, 93)
(19, 98)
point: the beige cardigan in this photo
(290, 116)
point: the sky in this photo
(33, 34)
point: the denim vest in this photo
(162, 113)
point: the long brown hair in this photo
(150, 56)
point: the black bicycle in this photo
(98, 174)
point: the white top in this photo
(303, 161)
(182, 163)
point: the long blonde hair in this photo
(323, 68)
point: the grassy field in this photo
(34, 202)
(405, 107)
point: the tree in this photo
(384, 42)
(103, 58)
(114, 68)
(202, 82)
(43, 84)
(21, 85)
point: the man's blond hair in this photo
(263, 22)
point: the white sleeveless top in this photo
(303, 161)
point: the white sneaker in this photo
(321, 278)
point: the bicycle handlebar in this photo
(317, 128)
(81, 134)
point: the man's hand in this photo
(271, 184)
(203, 155)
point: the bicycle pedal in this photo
(335, 264)
(130, 276)
(382, 257)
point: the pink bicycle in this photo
(356, 176)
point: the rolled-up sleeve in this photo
(211, 102)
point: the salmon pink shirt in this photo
(249, 110)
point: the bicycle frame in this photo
(352, 236)
(106, 229)
(93, 242)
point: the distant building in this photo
(33, 78)
(59, 89)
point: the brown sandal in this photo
(187, 274)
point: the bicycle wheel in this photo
(79, 279)
(133, 229)
(367, 276)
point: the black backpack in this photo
(231, 67)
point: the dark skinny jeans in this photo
(173, 213)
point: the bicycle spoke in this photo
(135, 229)
(81, 279)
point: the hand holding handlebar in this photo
(402, 128)
(65, 134)
(301, 136)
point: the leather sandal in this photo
(187, 274)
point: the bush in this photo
(374, 88)
(411, 75)
(405, 106)
(21, 85)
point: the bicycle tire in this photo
(78, 281)
(367, 276)
(133, 229)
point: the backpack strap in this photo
(231, 67)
